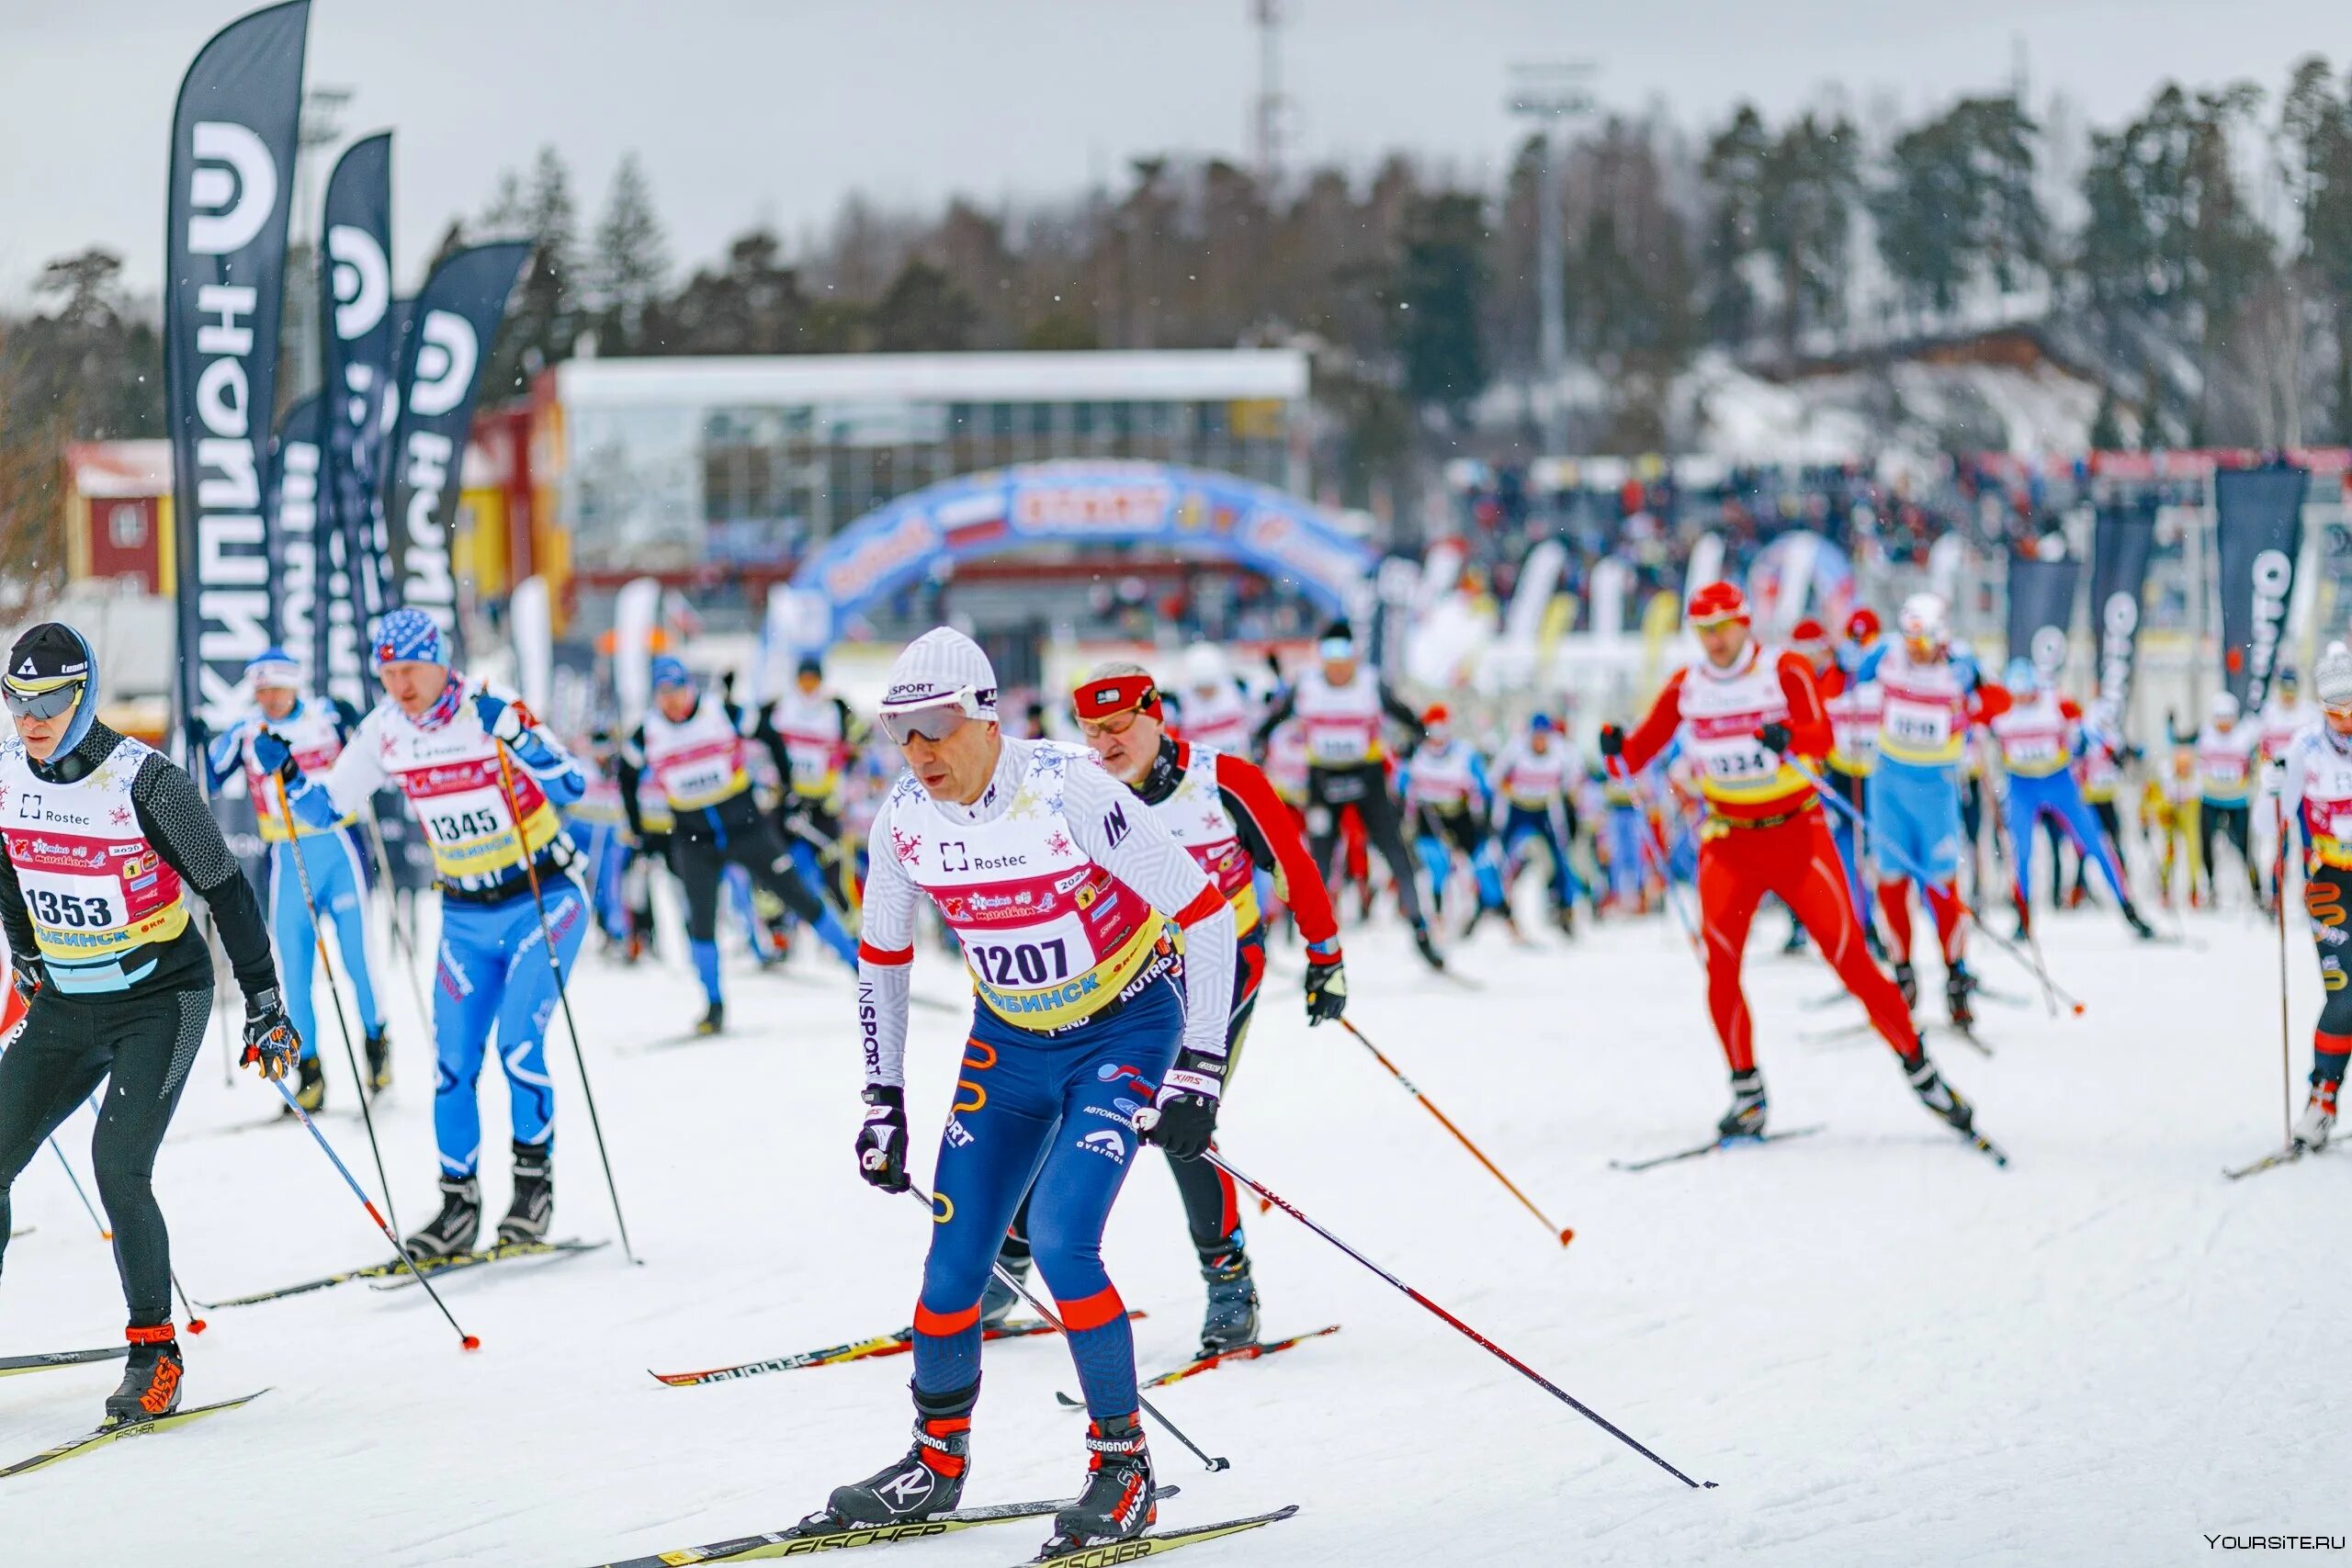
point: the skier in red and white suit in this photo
(1743, 714)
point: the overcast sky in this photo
(751, 110)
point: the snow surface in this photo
(1884, 1349)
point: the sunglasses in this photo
(1117, 724)
(49, 704)
(935, 722)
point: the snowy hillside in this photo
(1883, 1349)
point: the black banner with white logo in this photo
(2259, 530)
(355, 366)
(232, 175)
(294, 528)
(448, 339)
(2122, 538)
(2042, 612)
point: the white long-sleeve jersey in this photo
(1061, 886)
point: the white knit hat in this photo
(937, 666)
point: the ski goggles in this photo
(1335, 650)
(47, 700)
(933, 721)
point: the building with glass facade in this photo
(744, 464)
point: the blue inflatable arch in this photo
(1189, 511)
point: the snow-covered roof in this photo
(1151, 376)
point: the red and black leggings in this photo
(2325, 887)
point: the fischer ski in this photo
(107, 1434)
(504, 1251)
(1111, 1552)
(383, 1271)
(897, 1343)
(17, 1366)
(1200, 1364)
(812, 1536)
(1708, 1148)
(2271, 1161)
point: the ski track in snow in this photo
(1884, 1349)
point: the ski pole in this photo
(1063, 1330)
(335, 994)
(1918, 874)
(465, 1340)
(2278, 901)
(1654, 857)
(2013, 853)
(1567, 1233)
(1521, 1368)
(555, 967)
(403, 938)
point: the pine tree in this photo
(1435, 299)
(632, 259)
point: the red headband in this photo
(1116, 695)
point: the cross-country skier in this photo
(818, 736)
(1854, 708)
(2225, 749)
(1343, 706)
(694, 748)
(318, 728)
(1450, 800)
(1212, 710)
(1929, 692)
(451, 746)
(2039, 734)
(2286, 713)
(598, 824)
(105, 841)
(1220, 807)
(1102, 968)
(2099, 770)
(1534, 801)
(2316, 784)
(1745, 716)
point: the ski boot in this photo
(713, 1021)
(1796, 942)
(2318, 1119)
(1117, 1504)
(1748, 1107)
(1906, 982)
(999, 1300)
(453, 1230)
(2138, 922)
(379, 1062)
(1427, 949)
(1938, 1096)
(1565, 917)
(310, 1086)
(534, 1204)
(151, 1380)
(928, 1480)
(1958, 984)
(1232, 1319)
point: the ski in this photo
(108, 1433)
(1708, 1148)
(17, 1366)
(504, 1251)
(1966, 1033)
(27, 1230)
(2271, 1161)
(1115, 1551)
(372, 1271)
(897, 1343)
(810, 1537)
(1824, 1001)
(1987, 1147)
(1200, 1364)
(1854, 1030)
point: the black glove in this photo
(1775, 737)
(882, 1142)
(1612, 740)
(1183, 1123)
(1327, 988)
(28, 976)
(270, 1041)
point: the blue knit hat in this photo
(668, 671)
(272, 666)
(409, 637)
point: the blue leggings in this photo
(1850, 787)
(2057, 796)
(340, 889)
(493, 975)
(600, 844)
(1062, 1110)
(1522, 823)
(1627, 859)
